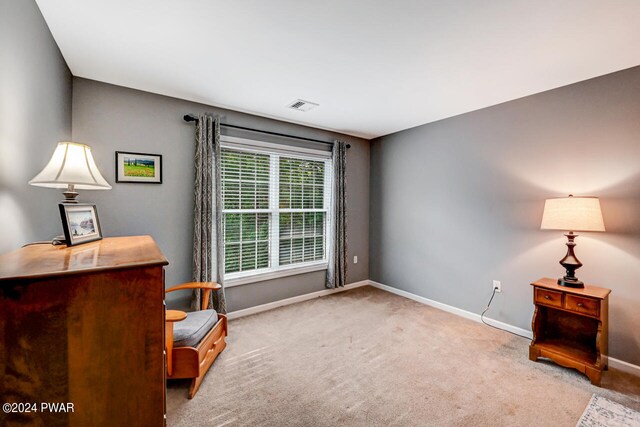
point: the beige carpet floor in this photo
(366, 357)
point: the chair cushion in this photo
(190, 331)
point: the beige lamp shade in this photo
(572, 214)
(71, 164)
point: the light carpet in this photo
(366, 357)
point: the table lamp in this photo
(71, 167)
(572, 214)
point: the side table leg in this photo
(595, 375)
(534, 353)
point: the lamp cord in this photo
(493, 294)
(44, 242)
(59, 240)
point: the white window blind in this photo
(275, 210)
(245, 201)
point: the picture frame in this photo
(140, 168)
(80, 223)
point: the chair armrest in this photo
(195, 285)
(175, 316)
(206, 286)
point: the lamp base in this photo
(570, 282)
(70, 194)
(571, 263)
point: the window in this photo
(275, 211)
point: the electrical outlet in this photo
(497, 286)
(355, 259)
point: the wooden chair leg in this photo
(168, 329)
(195, 385)
(170, 317)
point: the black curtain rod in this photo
(192, 118)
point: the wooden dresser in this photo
(84, 325)
(570, 326)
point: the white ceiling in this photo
(375, 67)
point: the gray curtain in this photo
(208, 250)
(337, 236)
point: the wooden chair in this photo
(192, 348)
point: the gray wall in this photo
(111, 118)
(35, 113)
(457, 203)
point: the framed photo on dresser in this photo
(80, 223)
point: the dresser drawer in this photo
(582, 305)
(547, 297)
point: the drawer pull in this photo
(547, 297)
(580, 304)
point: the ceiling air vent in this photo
(301, 105)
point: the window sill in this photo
(243, 279)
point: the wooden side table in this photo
(570, 326)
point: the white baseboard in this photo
(613, 362)
(454, 310)
(623, 366)
(270, 306)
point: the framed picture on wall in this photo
(138, 167)
(80, 223)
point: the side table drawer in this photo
(547, 297)
(583, 305)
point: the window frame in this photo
(275, 151)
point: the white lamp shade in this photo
(572, 214)
(71, 163)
